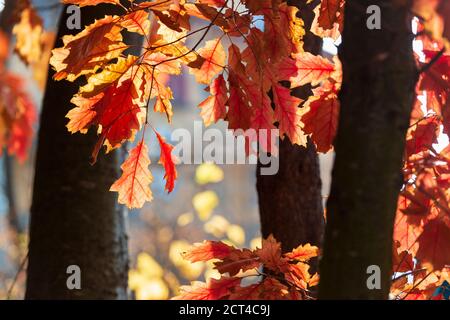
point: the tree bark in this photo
(74, 219)
(445, 12)
(290, 202)
(376, 97)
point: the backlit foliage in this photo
(281, 276)
(242, 65)
(245, 68)
(17, 111)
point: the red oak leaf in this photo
(168, 162)
(213, 54)
(303, 253)
(133, 186)
(213, 108)
(212, 290)
(208, 250)
(331, 12)
(288, 114)
(321, 118)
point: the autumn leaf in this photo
(434, 251)
(239, 112)
(137, 21)
(168, 162)
(422, 136)
(288, 114)
(303, 253)
(321, 118)
(17, 116)
(331, 12)
(268, 289)
(112, 73)
(306, 68)
(29, 32)
(270, 253)
(401, 261)
(214, 56)
(115, 110)
(298, 274)
(237, 261)
(217, 3)
(83, 3)
(208, 250)
(134, 184)
(213, 108)
(212, 290)
(87, 51)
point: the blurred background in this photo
(217, 202)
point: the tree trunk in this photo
(74, 219)
(376, 97)
(445, 12)
(290, 202)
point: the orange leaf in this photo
(114, 109)
(238, 260)
(434, 249)
(134, 184)
(270, 253)
(208, 250)
(288, 114)
(268, 289)
(137, 21)
(213, 108)
(321, 119)
(87, 51)
(212, 290)
(167, 160)
(214, 55)
(239, 111)
(331, 12)
(83, 3)
(308, 69)
(303, 253)
(17, 116)
(28, 32)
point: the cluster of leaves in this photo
(17, 112)
(33, 43)
(120, 87)
(279, 276)
(421, 254)
(246, 68)
(422, 227)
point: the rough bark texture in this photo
(74, 219)
(376, 98)
(445, 12)
(290, 202)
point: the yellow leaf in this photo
(236, 234)
(148, 266)
(217, 226)
(185, 219)
(208, 173)
(190, 271)
(204, 203)
(155, 289)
